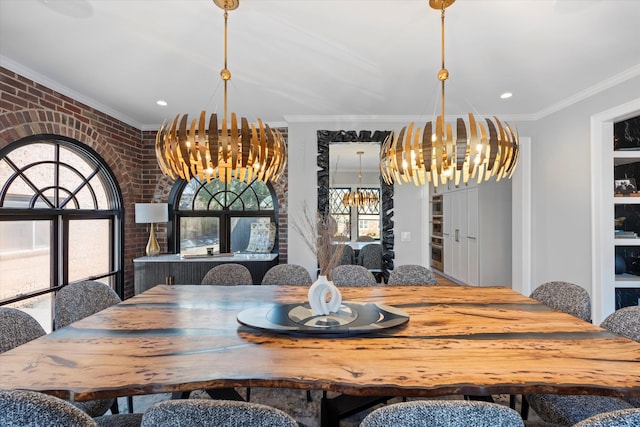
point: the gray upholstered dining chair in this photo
(222, 413)
(625, 322)
(82, 299)
(411, 274)
(450, 413)
(352, 275)
(370, 256)
(566, 297)
(74, 302)
(30, 408)
(287, 274)
(228, 275)
(17, 328)
(348, 255)
(571, 409)
(620, 418)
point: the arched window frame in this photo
(225, 215)
(60, 215)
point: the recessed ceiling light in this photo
(161, 103)
(506, 95)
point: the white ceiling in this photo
(301, 59)
(345, 157)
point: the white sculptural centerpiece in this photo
(324, 297)
(318, 232)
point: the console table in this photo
(150, 271)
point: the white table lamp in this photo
(151, 213)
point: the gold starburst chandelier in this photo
(361, 196)
(435, 154)
(246, 153)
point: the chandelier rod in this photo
(225, 73)
(444, 73)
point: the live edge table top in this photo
(459, 340)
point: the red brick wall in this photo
(28, 108)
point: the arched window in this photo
(366, 217)
(223, 217)
(60, 221)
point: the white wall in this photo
(411, 224)
(521, 221)
(302, 145)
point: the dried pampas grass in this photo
(318, 232)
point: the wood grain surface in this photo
(459, 340)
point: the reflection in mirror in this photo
(354, 167)
(344, 177)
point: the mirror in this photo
(326, 161)
(355, 166)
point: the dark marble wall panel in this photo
(626, 297)
(626, 134)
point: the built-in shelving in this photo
(626, 211)
(437, 243)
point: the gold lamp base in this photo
(153, 248)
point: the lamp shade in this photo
(151, 213)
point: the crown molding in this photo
(591, 91)
(395, 119)
(53, 85)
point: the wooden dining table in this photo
(459, 340)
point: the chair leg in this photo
(248, 394)
(524, 410)
(114, 407)
(130, 404)
(308, 395)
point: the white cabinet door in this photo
(477, 233)
(446, 233)
(473, 266)
(458, 230)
